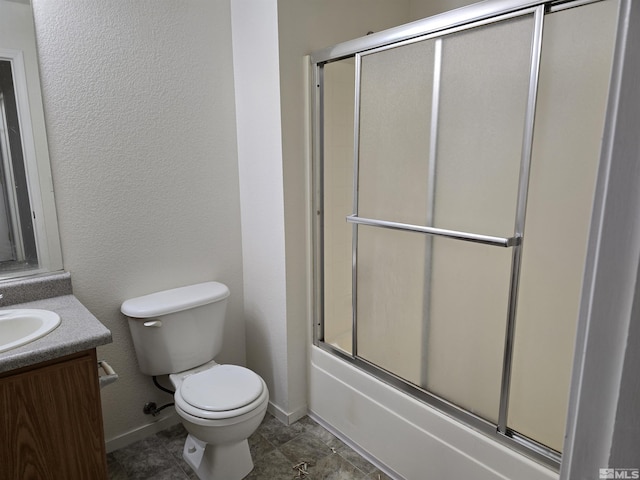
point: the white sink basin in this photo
(21, 326)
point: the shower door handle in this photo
(440, 232)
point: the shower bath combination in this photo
(455, 163)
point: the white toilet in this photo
(179, 332)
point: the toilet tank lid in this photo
(174, 300)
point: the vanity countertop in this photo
(78, 330)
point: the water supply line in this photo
(157, 384)
(151, 407)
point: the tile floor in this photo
(275, 448)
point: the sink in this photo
(21, 326)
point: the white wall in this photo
(139, 103)
(626, 435)
(269, 42)
(255, 51)
(425, 8)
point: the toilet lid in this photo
(221, 388)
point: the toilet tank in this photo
(178, 329)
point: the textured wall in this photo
(139, 103)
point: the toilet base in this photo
(218, 462)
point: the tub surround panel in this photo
(78, 330)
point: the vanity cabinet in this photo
(51, 421)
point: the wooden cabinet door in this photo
(51, 421)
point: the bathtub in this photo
(402, 435)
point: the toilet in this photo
(178, 332)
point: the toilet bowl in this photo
(178, 332)
(220, 406)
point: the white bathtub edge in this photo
(404, 434)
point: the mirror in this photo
(29, 239)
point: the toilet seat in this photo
(220, 392)
(222, 388)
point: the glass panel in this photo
(576, 63)
(469, 298)
(392, 300)
(395, 122)
(451, 344)
(339, 81)
(485, 82)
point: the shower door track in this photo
(434, 27)
(459, 18)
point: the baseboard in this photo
(171, 419)
(284, 417)
(142, 432)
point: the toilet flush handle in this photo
(153, 323)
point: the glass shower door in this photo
(395, 110)
(440, 145)
(572, 97)
(434, 149)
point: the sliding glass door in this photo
(455, 177)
